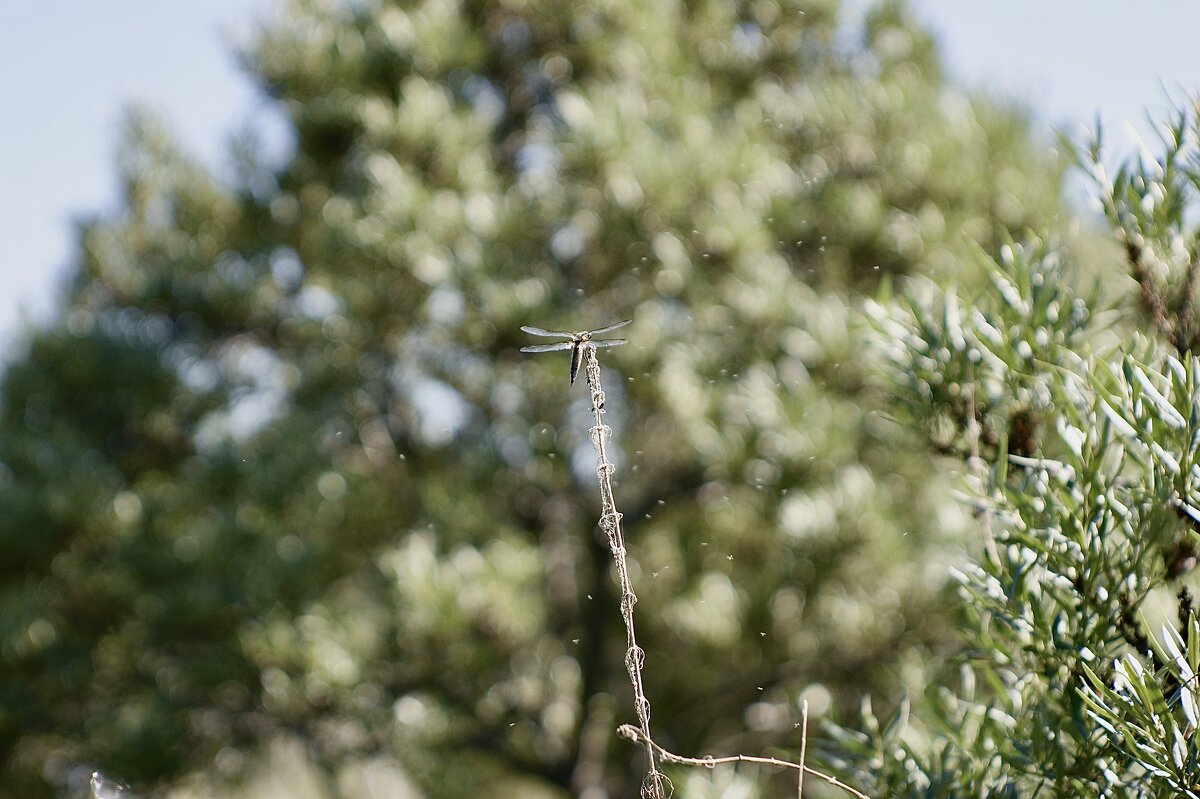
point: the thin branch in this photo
(632, 733)
(588, 775)
(1187, 300)
(803, 749)
(653, 787)
(1152, 297)
(656, 784)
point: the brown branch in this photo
(587, 776)
(1187, 301)
(1187, 609)
(632, 733)
(596, 715)
(1152, 298)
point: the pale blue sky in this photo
(1070, 59)
(70, 66)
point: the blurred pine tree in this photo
(278, 469)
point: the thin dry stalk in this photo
(803, 749)
(654, 785)
(657, 785)
(632, 733)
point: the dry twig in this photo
(610, 522)
(634, 734)
(656, 784)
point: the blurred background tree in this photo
(278, 473)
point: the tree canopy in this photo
(278, 471)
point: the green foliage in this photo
(1080, 440)
(1151, 205)
(985, 372)
(278, 472)
(1142, 724)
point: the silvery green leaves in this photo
(987, 367)
(1080, 442)
(1154, 414)
(1148, 707)
(1151, 204)
(950, 745)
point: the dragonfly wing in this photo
(609, 342)
(611, 327)
(539, 331)
(562, 345)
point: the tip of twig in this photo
(803, 748)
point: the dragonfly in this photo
(578, 342)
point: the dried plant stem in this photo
(610, 522)
(632, 733)
(803, 749)
(657, 785)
